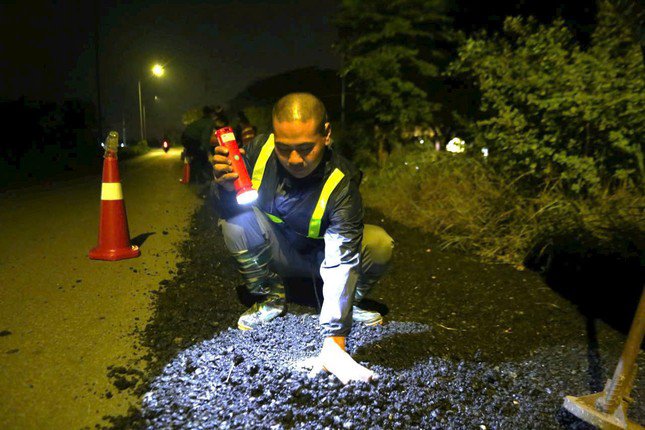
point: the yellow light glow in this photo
(158, 70)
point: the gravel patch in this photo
(261, 380)
(465, 346)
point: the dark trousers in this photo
(200, 168)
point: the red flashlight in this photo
(245, 194)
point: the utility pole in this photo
(140, 110)
(97, 57)
(123, 125)
(145, 134)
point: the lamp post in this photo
(158, 71)
(140, 110)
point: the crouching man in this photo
(308, 220)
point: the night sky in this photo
(212, 51)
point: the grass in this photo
(467, 206)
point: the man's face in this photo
(299, 146)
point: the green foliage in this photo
(191, 115)
(556, 113)
(471, 207)
(390, 49)
(134, 150)
(260, 116)
(355, 142)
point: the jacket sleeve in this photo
(205, 138)
(341, 265)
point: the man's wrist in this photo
(338, 340)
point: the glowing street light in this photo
(157, 71)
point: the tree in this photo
(323, 83)
(390, 50)
(555, 112)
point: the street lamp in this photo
(158, 71)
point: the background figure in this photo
(221, 120)
(196, 141)
(244, 130)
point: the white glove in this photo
(334, 359)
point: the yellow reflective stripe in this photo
(274, 218)
(111, 191)
(316, 217)
(260, 164)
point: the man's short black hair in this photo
(301, 107)
(208, 110)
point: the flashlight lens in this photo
(247, 197)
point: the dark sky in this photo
(212, 51)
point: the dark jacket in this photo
(341, 231)
(196, 135)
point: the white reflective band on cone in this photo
(111, 191)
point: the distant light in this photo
(102, 145)
(485, 152)
(158, 70)
(456, 145)
(122, 144)
(421, 141)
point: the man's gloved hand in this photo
(334, 359)
(224, 174)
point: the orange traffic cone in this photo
(186, 178)
(114, 236)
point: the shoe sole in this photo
(247, 328)
(371, 324)
(244, 327)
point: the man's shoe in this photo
(368, 318)
(262, 312)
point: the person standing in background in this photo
(196, 142)
(244, 130)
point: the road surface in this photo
(464, 345)
(65, 318)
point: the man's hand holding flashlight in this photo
(224, 174)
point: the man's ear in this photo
(327, 134)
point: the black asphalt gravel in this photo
(465, 345)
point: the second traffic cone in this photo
(114, 236)
(186, 178)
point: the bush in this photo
(556, 113)
(468, 206)
(260, 117)
(140, 148)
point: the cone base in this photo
(114, 254)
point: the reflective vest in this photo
(319, 210)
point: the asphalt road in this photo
(65, 318)
(465, 345)
(151, 342)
